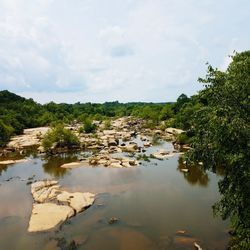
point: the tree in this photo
(222, 137)
(5, 133)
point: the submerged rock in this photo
(113, 220)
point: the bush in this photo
(107, 124)
(60, 136)
(88, 126)
(183, 139)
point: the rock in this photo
(174, 131)
(49, 194)
(78, 201)
(29, 138)
(129, 148)
(46, 194)
(113, 220)
(147, 144)
(112, 143)
(109, 132)
(44, 190)
(183, 240)
(41, 184)
(72, 165)
(158, 132)
(197, 247)
(162, 154)
(8, 162)
(48, 215)
(126, 165)
(185, 170)
(115, 165)
(181, 232)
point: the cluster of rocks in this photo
(114, 162)
(121, 130)
(162, 154)
(52, 205)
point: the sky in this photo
(107, 50)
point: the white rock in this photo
(115, 165)
(41, 184)
(72, 165)
(48, 215)
(7, 162)
(78, 201)
(174, 131)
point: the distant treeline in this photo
(18, 113)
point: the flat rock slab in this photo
(54, 205)
(48, 215)
(78, 201)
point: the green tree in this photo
(5, 133)
(222, 137)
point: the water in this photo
(151, 201)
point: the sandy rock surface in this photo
(53, 206)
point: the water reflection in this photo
(196, 175)
(3, 168)
(52, 164)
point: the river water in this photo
(151, 201)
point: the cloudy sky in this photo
(106, 50)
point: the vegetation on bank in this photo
(221, 129)
(17, 113)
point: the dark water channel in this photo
(152, 201)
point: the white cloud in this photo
(145, 50)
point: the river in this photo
(151, 201)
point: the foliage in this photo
(5, 133)
(183, 138)
(107, 124)
(61, 137)
(222, 136)
(88, 126)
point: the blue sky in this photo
(106, 50)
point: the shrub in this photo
(183, 139)
(88, 126)
(107, 124)
(60, 136)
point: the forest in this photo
(216, 122)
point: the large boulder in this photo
(54, 205)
